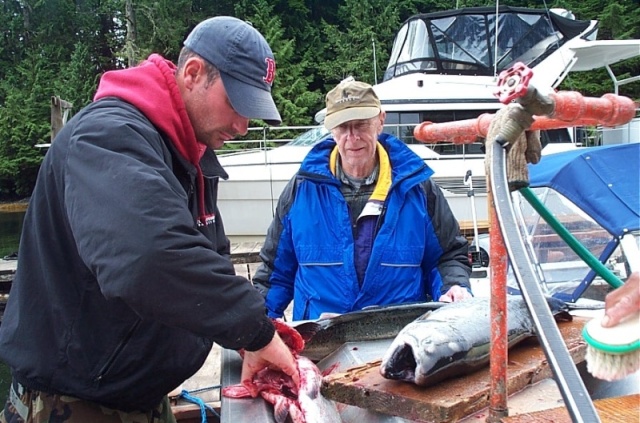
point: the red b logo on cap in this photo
(271, 70)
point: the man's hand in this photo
(275, 355)
(622, 302)
(455, 293)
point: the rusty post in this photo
(498, 264)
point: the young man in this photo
(361, 223)
(124, 280)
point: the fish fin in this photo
(281, 406)
(559, 309)
(563, 316)
(236, 391)
(309, 329)
(297, 415)
(290, 336)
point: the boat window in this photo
(562, 269)
(464, 41)
(533, 37)
(461, 39)
(401, 125)
(555, 136)
(412, 51)
(311, 137)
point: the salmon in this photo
(454, 340)
(325, 335)
(302, 403)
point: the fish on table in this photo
(302, 403)
(325, 335)
(454, 340)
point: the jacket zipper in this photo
(383, 213)
(116, 352)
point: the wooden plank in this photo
(245, 252)
(8, 267)
(450, 400)
(246, 269)
(191, 414)
(466, 227)
(623, 409)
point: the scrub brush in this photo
(613, 353)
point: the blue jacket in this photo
(308, 256)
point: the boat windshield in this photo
(310, 137)
(463, 41)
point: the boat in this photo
(443, 67)
(594, 193)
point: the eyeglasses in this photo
(355, 127)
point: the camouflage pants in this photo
(39, 407)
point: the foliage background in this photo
(61, 47)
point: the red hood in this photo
(151, 87)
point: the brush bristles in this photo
(612, 367)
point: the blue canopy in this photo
(603, 181)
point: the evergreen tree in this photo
(62, 47)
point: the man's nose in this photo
(352, 132)
(241, 125)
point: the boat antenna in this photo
(375, 63)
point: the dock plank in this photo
(623, 409)
(245, 252)
(450, 400)
(246, 269)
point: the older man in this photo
(361, 223)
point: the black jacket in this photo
(119, 294)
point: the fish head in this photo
(421, 361)
(399, 362)
(438, 356)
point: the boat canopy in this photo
(602, 181)
(463, 41)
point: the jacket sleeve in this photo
(276, 275)
(453, 265)
(135, 234)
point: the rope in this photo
(186, 395)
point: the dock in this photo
(243, 254)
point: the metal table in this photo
(257, 410)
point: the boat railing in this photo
(269, 137)
(265, 138)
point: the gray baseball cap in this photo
(245, 61)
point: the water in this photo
(10, 229)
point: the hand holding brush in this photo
(622, 302)
(613, 342)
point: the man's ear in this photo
(382, 116)
(192, 71)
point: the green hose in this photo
(575, 245)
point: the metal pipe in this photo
(498, 265)
(571, 109)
